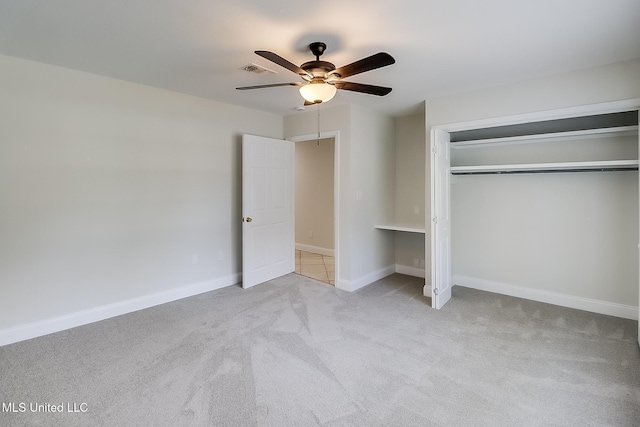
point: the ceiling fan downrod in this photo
(317, 48)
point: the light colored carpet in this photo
(296, 352)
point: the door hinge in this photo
(434, 149)
(435, 219)
(435, 291)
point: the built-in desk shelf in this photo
(407, 229)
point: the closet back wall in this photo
(567, 233)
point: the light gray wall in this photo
(582, 87)
(575, 234)
(410, 189)
(108, 189)
(314, 194)
(373, 173)
(410, 166)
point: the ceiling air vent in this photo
(257, 69)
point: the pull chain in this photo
(318, 110)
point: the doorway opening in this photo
(316, 266)
(316, 206)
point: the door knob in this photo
(249, 219)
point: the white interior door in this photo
(440, 219)
(639, 251)
(267, 209)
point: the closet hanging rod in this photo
(511, 172)
(599, 165)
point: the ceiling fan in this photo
(321, 79)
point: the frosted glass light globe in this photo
(318, 91)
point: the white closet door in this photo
(440, 219)
(639, 248)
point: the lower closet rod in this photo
(544, 171)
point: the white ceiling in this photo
(199, 47)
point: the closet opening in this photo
(526, 219)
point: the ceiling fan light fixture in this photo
(318, 91)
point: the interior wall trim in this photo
(84, 317)
(361, 282)
(411, 271)
(580, 303)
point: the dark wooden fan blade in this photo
(282, 62)
(372, 62)
(360, 87)
(271, 85)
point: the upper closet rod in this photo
(511, 172)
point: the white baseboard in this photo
(72, 320)
(361, 282)
(586, 304)
(410, 271)
(427, 291)
(315, 249)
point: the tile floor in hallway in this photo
(316, 266)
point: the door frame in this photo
(336, 191)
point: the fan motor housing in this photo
(318, 68)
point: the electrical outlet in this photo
(310, 234)
(220, 255)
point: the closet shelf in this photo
(548, 137)
(408, 229)
(607, 165)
